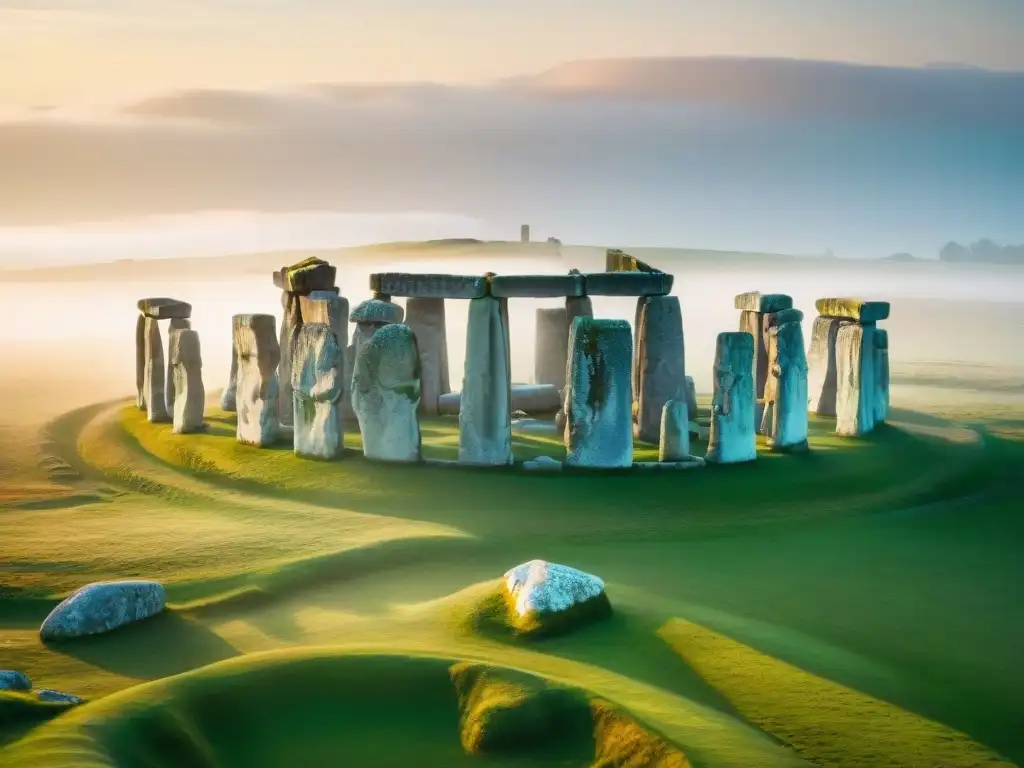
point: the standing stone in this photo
(577, 306)
(881, 375)
(552, 348)
(317, 388)
(598, 396)
(674, 444)
(691, 397)
(175, 324)
(186, 359)
(141, 332)
(751, 322)
(330, 308)
(290, 324)
(821, 365)
(227, 397)
(155, 374)
(855, 378)
(661, 370)
(485, 410)
(787, 389)
(426, 317)
(386, 394)
(369, 316)
(257, 395)
(732, 438)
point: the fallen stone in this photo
(551, 350)
(259, 355)
(318, 372)
(853, 309)
(376, 311)
(545, 598)
(485, 412)
(386, 395)
(175, 324)
(155, 381)
(674, 444)
(427, 319)
(543, 464)
(534, 427)
(429, 286)
(598, 401)
(821, 365)
(186, 361)
(56, 697)
(103, 607)
(308, 275)
(628, 283)
(536, 286)
(660, 363)
(164, 308)
(755, 301)
(14, 681)
(881, 375)
(855, 377)
(786, 420)
(691, 462)
(732, 437)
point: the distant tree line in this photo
(984, 250)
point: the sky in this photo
(60, 52)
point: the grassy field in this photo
(855, 606)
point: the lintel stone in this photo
(429, 286)
(755, 301)
(628, 283)
(853, 309)
(306, 276)
(164, 309)
(536, 286)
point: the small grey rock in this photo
(56, 697)
(14, 681)
(102, 607)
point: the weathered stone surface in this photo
(821, 366)
(772, 319)
(318, 373)
(141, 331)
(258, 355)
(306, 276)
(691, 462)
(785, 420)
(164, 309)
(377, 312)
(291, 322)
(227, 397)
(617, 261)
(628, 283)
(536, 286)
(598, 401)
(429, 286)
(328, 308)
(186, 359)
(853, 309)
(753, 323)
(674, 444)
(551, 349)
(155, 381)
(56, 697)
(102, 607)
(881, 375)
(175, 324)
(691, 397)
(485, 413)
(544, 598)
(660, 362)
(427, 319)
(855, 379)
(755, 301)
(386, 394)
(574, 307)
(14, 681)
(733, 439)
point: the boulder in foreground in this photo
(103, 607)
(14, 681)
(546, 599)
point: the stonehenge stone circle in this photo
(102, 607)
(257, 394)
(485, 412)
(598, 397)
(674, 443)
(733, 439)
(426, 317)
(386, 394)
(785, 413)
(547, 598)
(552, 344)
(186, 359)
(152, 374)
(318, 372)
(855, 377)
(660, 363)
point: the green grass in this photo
(872, 581)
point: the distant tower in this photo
(524, 233)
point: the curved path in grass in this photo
(854, 606)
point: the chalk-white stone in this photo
(733, 438)
(485, 412)
(317, 378)
(540, 587)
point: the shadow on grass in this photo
(167, 644)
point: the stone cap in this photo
(783, 316)
(573, 285)
(429, 286)
(619, 261)
(537, 286)
(306, 276)
(628, 283)
(755, 301)
(377, 311)
(163, 308)
(853, 309)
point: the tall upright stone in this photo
(186, 358)
(227, 397)
(660, 363)
(152, 374)
(691, 397)
(259, 355)
(785, 417)
(485, 410)
(369, 316)
(552, 347)
(674, 444)
(426, 317)
(598, 396)
(155, 374)
(733, 438)
(575, 306)
(318, 373)
(881, 375)
(386, 394)
(753, 307)
(330, 308)
(821, 365)
(175, 324)
(141, 335)
(855, 376)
